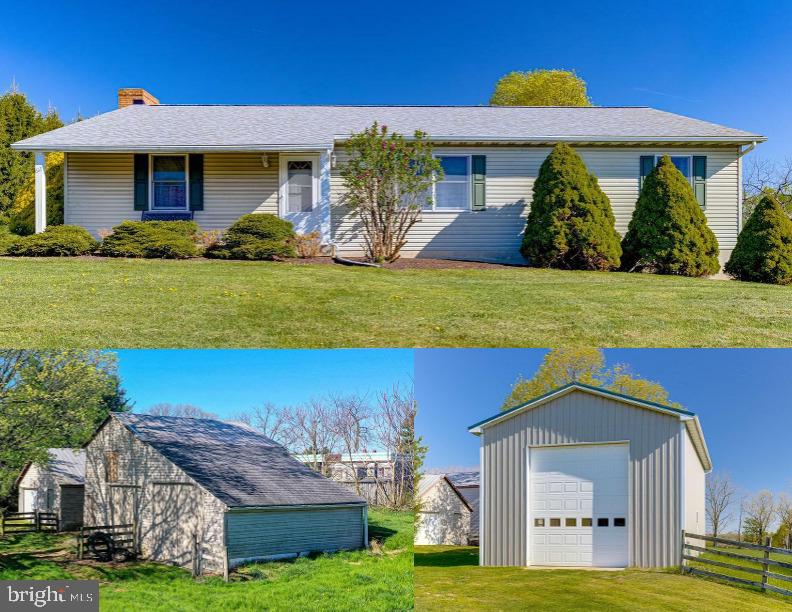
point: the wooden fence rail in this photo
(28, 522)
(125, 535)
(692, 553)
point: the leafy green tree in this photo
(764, 247)
(584, 365)
(541, 88)
(386, 179)
(23, 212)
(570, 225)
(51, 399)
(18, 120)
(668, 232)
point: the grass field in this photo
(359, 580)
(127, 303)
(449, 578)
(784, 584)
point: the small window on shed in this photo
(602, 522)
(555, 522)
(111, 466)
(619, 522)
(539, 523)
(585, 522)
(570, 522)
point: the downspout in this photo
(740, 154)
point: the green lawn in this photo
(784, 584)
(360, 580)
(449, 578)
(200, 303)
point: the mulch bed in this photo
(416, 263)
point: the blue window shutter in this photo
(479, 172)
(196, 181)
(141, 181)
(647, 165)
(700, 179)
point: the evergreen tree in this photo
(668, 232)
(18, 119)
(764, 246)
(571, 224)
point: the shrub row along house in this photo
(216, 163)
(582, 476)
(207, 495)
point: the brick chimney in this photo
(135, 95)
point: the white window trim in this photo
(469, 206)
(284, 179)
(186, 206)
(657, 157)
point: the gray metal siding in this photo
(266, 533)
(579, 417)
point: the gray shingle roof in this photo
(67, 465)
(229, 127)
(235, 463)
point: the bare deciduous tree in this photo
(351, 428)
(393, 421)
(761, 175)
(311, 432)
(271, 421)
(761, 510)
(720, 494)
(180, 410)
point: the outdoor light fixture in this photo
(265, 161)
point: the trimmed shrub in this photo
(55, 241)
(152, 240)
(7, 240)
(764, 247)
(571, 224)
(668, 232)
(256, 237)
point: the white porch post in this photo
(325, 163)
(41, 193)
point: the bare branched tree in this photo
(270, 420)
(720, 494)
(761, 510)
(351, 428)
(393, 422)
(180, 410)
(762, 175)
(312, 432)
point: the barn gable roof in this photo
(67, 466)
(235, 463)
(430, 481)
(689, 419)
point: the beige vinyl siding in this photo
(579, 417)
(147, 482)
(496, 232)
(99, 189)
(259, 534)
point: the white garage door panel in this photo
(572, 483)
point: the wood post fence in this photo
(124, 536)
(28, 522)
(772, 567)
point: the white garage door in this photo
(579, 501)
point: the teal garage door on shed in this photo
(268, 533)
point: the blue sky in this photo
(229, 381)
(727, 62)
(742, 397)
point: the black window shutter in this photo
(196, 181)
(700, 179)
(479, 171)
(647, 165)
(141, 181)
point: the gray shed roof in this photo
(167, 127)
(236, 464)
(67, 466)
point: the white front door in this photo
(300, 192)
(28, 500)
(578, 505)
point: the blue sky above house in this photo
(725, 62)
(742, 397)
(226, 382)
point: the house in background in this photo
(377, 474)
(57, 487)
(215, 163)
(467, 483)
(210, 495)
(443, 513)
(582, 476)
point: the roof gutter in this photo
(749, 138)
(296, 507)
(23, 145)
